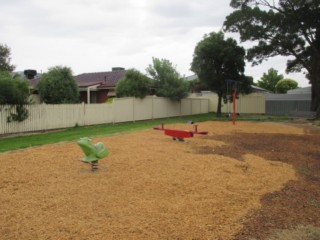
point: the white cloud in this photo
(95, 35)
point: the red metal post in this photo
(196, 128)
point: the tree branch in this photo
(303, 63)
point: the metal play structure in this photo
(93, 152)
(179, 135)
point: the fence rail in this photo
(47, 117)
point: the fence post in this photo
(133, 115)
(113, 111)
(152, 114)
(83, 114)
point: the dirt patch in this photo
(151, 187)
(298, 233)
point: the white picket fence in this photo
(47, 117)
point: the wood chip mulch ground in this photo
(238, 182)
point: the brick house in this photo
(99, 86)
(94, 87)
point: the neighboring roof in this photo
(107, 79)
(104, 79)
(305, 90)
(259, 89)
(192, 77)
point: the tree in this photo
(168, 82)
(283, 27)
(269, 80)
(195, 85)
(134, 84)
(58, 86)
(286, 84)
(14, 91)
(5, 58)
(216, 60)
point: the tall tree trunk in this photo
(219, 105)
(315, 94)
(315, 75)
(315, 85)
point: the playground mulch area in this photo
(237, 182)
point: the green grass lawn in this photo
(24, 141)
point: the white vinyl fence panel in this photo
(44, 117)
(123, 110)
(186, 106)
(143, 108)
(159, 108)
(253, 103)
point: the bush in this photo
(286, 84)
(134, 84)
(14, 91)
(58, 86)
(168, 81)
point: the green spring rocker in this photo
(93, 152)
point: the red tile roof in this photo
(107, 79)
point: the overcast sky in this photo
(96, 35)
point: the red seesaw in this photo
(179, 135)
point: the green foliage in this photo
(20, 115)
(286, 84)
(168, 81)
(58, 86)
(5, 58)
(134, 84)
(269, 80)
(196, 85)
(246, 83)
(215, 60)
(14, 91)
(284, 27)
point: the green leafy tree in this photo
(254, 83)
(5, 58)
(286, 84)
(283, 27)
(216, 60)
(168, 82)
(14, 91)
(58, 86)
(269, 80)
(195, 85)
(134, 84)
